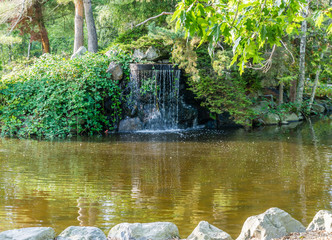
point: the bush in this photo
(56, 97)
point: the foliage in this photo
(322, 90)
(220, 89)
(248, 26)
(56, 97)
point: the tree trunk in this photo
(90, 23)
(312, 97)
(281, 94)
(292, 90)
(29, 50)
(41, 25)
(79, 37)
(300, 85)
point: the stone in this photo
(206, 231)
(82, 233)
(274, 223)
(33, 233)
(321, 221)
(152, 54)
(130, 124)
(317, 108)
(271, 119)
(80, 52)
(139, 54)
(291, 118)
(115, 70)
(144, 231)
(111, 52)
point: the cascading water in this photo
(154, 91)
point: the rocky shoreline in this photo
(272, 224)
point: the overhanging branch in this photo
(151, 18)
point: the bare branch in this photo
(268, 63)
(19, 18)
(151, 18)
(288, 51)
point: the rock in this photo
(111, 52)
(291, 118)
(271, 119)
(321, 221)
(80, 52)
(115, 70)
(82, 233)
(144, 231)
(274, 223)
(317, 108)
(152, 54)
(33, 233)
(206, 231)
(139, 54)
(130, 124)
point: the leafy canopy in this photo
(247, 25)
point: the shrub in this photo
(56, 97)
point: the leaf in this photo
(319, 20)
(289, 29)
(236, 43)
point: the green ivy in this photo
(56, 97)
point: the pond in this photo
(222, 177)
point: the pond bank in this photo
(272, 224)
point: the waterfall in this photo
(154, 91)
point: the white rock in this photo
(274, 223)
(291, 118)
(318, 108)
(206, 231)
(271, 119)
(144, 231)
(79, 52)
(115, 70)
(152, 54)
(139, 54)
(33, 233)
(82, 233)
(321, 221)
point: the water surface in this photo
(222, 177)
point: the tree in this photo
(79, 36)
(25, 16)
(90, 23)
(250, 26)
(300, 85)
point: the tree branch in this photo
(288, 51)
(151, 18)
(18, 19)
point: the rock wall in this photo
(272, 224)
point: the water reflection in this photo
(185, 177)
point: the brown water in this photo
(221, 177)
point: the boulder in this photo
(139, 54)
(115, 70)
(130, 124)
(82, 233)
(321, 221)
(274, 223)
(206, 231)
(80, 52)
(271, 119)
(318, 108)
(144, 231)
(291, 118)
(33, 233)
(152, 54)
